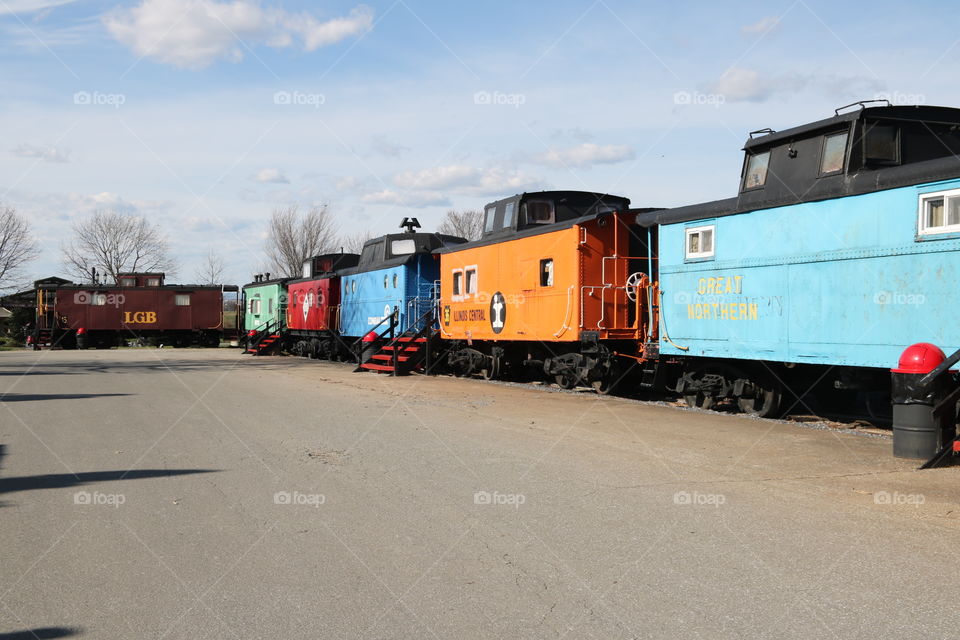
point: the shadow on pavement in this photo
(40, 633)
(34, 397)
(61, 480)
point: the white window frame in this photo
(546, 262)
(457, 297)
(177, 297)
(467, 289)
(699, 255)
(922, 228)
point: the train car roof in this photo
(565, 209)
(263, 283)
(384, 252)
(917, 144)
(163, 287)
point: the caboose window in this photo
(402, 247)
(756, 175)
(834, 153)
(490, 219)
(458, 283)
(881, 145)
(546, 272)
(540, 212)
(153, 282)
(182, 300)
(508, 215)
(128, 282)
(98, 299)
(700, 242)
(940, 212)
(471, 281)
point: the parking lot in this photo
(196, 493)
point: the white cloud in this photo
(382, 146)
(194, 33)
(748, 85)
(584, 155)
(29, 6)
(763, 25)
(47, 153)
(271, 176)
(442, 177)
(464, 179)
(407, 198)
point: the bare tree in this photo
(17, 246)
(354, 243)
(211, 269)
(115, 243)
(292, 238)
(466, 224)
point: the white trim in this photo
(922, 229)
(454, 296)
(689, 231)
(466, 281)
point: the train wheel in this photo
(567, 380)
(604, 387)
(764, 404)
(699, 401)
(493, 368)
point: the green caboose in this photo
(265, 304)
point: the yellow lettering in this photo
(739, 280)
(139, 317)
(753, 311)
(702, 286)
(733, 311)
(743, 310)
(724, 312)
(690, 311)
(729, 288)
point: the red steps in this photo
(263, 345)
(407, 350)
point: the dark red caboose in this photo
(138, 306)
(313, 307)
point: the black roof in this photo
(924, 142)
(569, 208)
(378, 253)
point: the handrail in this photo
(404, 346)
(393, 318)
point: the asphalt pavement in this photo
(196, 493)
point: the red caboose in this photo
(313, 307)
(139, 306)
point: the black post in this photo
(393, 322)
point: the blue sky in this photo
(204, 115)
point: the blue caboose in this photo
(842, 248)
(397, 273)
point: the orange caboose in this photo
(557, 284)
